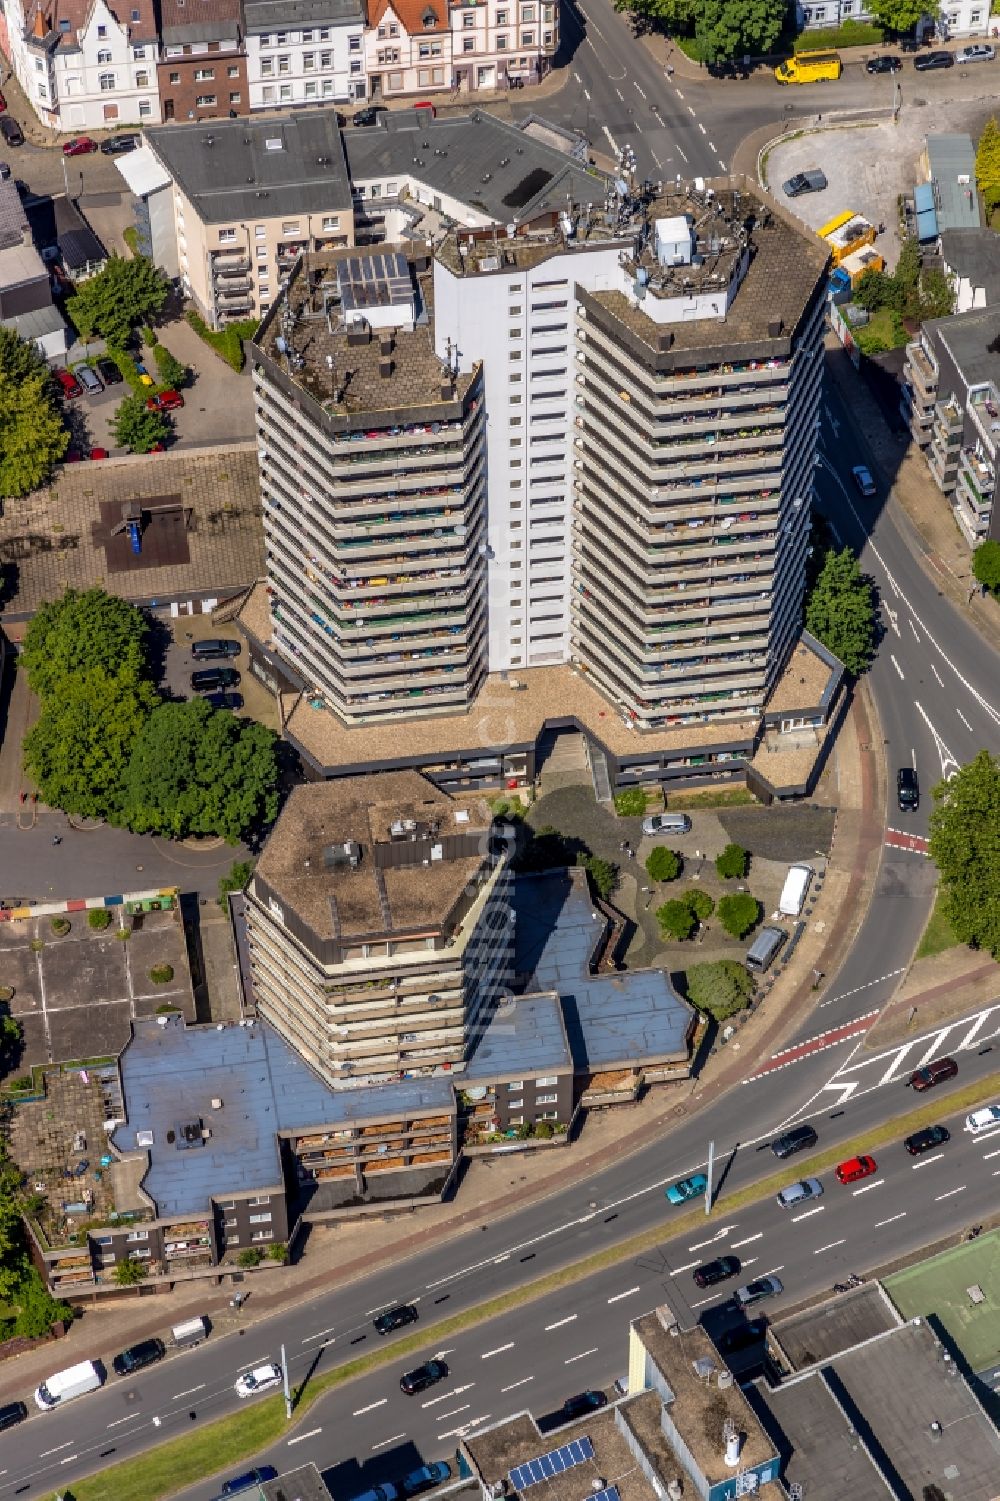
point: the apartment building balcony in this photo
(986, 418)
(919, 370)
(943, 464)
(226, 263)
(978, 473)
(949, 417)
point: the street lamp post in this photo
(708, 1180)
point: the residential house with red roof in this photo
(85, 64)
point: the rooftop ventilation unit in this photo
(345, 856)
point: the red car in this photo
(98, 453)
(68, 382)
(3, 104)
(79, 146)
(164, 401)
(933, 1073)
(856, 1168)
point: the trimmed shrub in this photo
(161, 974)
(227, 342)
(733, 862)
(544, 1130)
(738, 913)
(250, 1256)
(676, 920)
(663, 864)
(99, 918)
(60, 926)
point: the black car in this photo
(884, 65)
(231, 701)
(423, 1376)
(136, 1357)
(717, 1270)
(109, 372)
(743, 1337)
(907, 789)
(582, 1403)
(4, 171)
(11, 1413)
(930, 60)
(246, 1482)
(395, 1318)
(209, 678)
(12, 132)
(795, 1140)
(810, 181)
(118, 145)
(926, 1140)
(204, 651)
(370, 115)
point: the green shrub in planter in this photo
(60, 926)
(99, 918)
(161, 974)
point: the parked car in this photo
(799, 1193)
(231, 701)
(742, 1337)
(109, 372)
(975, 52)
(208, 678)
(856, 1168)
(983, 1120)
(68, 383)
(929, 60)
(926, 1140)
(863, 479)
(753, 1292)
(907, 790)
(79, 146)
(164, 401)
(4, 171)
(422, 1376)
(118, 145)
(395, 1318)
(687, 1188)
(261, 1379)
(884, 65)
(3, 102)
(11, 1413)
(248, 1480)
(370, 115)
(215, 647)
(810, 181)
(426, 1478)
(666, 823)
(932, 1073)
(89, 380)
(795, 1140)
(716, 1271)
(12, 132)
(582, 1403)
(137, 1357)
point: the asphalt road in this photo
(841, 1092)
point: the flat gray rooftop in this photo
(527, 1037)
(819, 1333)
(952, 158)
(613, 1020)
(171, 1073)
(304, 1484)
(968, 340)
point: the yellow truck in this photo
(845, 233)
(809, 67)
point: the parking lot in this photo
(257, 702)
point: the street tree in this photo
(235, 879)
(172, 371)
(737, 912)
(33, 436)
(137, 428)
(840, 611)
(965, 846)
(675, 16)
(80, 749)
(676, 919)
(118, 298)
(728, 29)
(719, 990)
(11, 1040)
(199, 770)
(663, 864)
(732, 863)
(899, 16)
(80, 630)
(988, 164)
(699, 901)
(986, 565)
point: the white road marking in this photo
(498, 1351)
(57, 1450)
(640, 91)
(820, 1249)
(618, 1296)
(620, 95)
(925, 1160)
(614, 146)
(711, 145)
(394, 1440)
(914, 630)
(951, 1193)
(717, 1236)
(679, 94)
(858, 988)
(685, 1268)
(189, 1393)
(705, 1300)
(899, 670)
(750, 1238)
(988, 1155)
(891, 1220)
(463, 1428)
(444, 1397)
(455, 1411)
(804, 1216)
(868, 1187)
(370, 1408)
(321, 1335)
(301, 1437)
(682, 151)
(560, 1323)
(69, 1459)
(937, 675)
(774, 1269)
(582, 1356)
(515, 1384)
(118, 1421)
(702, 128)
(964, 721)
(690, 110)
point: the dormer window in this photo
(430, 20)
(63, 24)
(102, 32)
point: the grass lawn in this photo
(939, 1286)
(884, 330)
(938, 934)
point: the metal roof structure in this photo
(379, 280)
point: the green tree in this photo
(965, 846)
(130, 1272)
(136, 427)
(118, 298)
(278, 1251)
(603, 874)
(80, 749)
(732, 863)
(663, 864)
(986, 566)
(737, 912)
(235, 879)
(877, 289)
(13, 1255)
(37, 1310)
(11, 1041)
(727, 29)
(676, 919)
(700, 902)
(250, 1256)
(899, 16)
(171, 370)
(199, 770)
(988, 164)
(84, 629)
(719, 990)
(33, 436)
(937, 294)
(840, 611)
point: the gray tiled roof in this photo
(266, 15)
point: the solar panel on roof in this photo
(566, 1457)
(611, 1494)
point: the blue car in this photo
(687, 1188)
(241, 1483)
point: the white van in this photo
(191, 1332)
(76, 1381)
(793, 893)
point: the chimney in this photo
(385, 368)
(774, 328)
(386, 344)
(447, 391)
(40, 29)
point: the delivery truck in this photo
(809, 67)
(75, 1381)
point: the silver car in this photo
(798, 1193)
(764, 1287)
(976, 52)
(89, 380)
(666, 823)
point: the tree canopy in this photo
(199, 770)
(988, 164)
(114, 301)
(33, 436)
(722, 29)
(840, 611)
(719, 990)
(965, 847)
(663, 864)
(732, 863)
(136, 427)
(737, 912)
(898, 16)
(676, 919)
(986, 565)
(84, 629)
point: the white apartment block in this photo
(956, 17)
(302, 52)
(85, 66)
(418, 46)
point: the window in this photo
(290, 228)
(265, 1219)
(331, 221)
(312, 89)
(233, 71)
(515, 333)
(395, 80)
(469, 21)
(137, 15)
(527, 38)
(326, 59)
(468, 44)
(260, 233)
(227, 236)
(501, 44)
(516, 1120)
(527, 12)
(204, 75)
(227, 1204)
(266, 67)
(103, 1240)
(516, 1104)
(142, 79)
(145, 109)
(104, 55)
(547, 1082)
(324, 34)
(284, 93)
(262, 1235)
(548, 1115)
(516, 1084)
(268, 92)
(284, 63)
(356, 68)
(354, 44)
(281, 38)
(106, 83)
(546, 1099)
(138, 54)
(265, 40)
(205, 101)
(63, 24)
(102, 32)
(307, 36)
(308, 61)
(501, 18)
(137, 1235)
(235, 98)
(175, 78)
